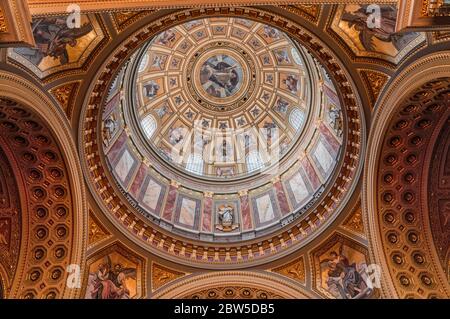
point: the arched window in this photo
(148, 124)
(195, 164)
(296, 118)
(143, 64)
(254, 161)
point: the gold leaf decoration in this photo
(3, 24)
(309, 11)
(375, 82)
(354, 221)
(65, 95)
(162, 276)
(96, 231)
(440, 36)
(294, 270)
(123, 19)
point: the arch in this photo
(407, 83)
(272, 284)
(53, 120)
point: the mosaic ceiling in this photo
(228, 100)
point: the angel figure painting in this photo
(57, 44)
(353, 23)
(343, 272)
(112, 277)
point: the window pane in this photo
(254, 161)
(148, 125)
(195, 164)
(296, 119)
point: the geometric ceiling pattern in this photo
(222, 77)
(225, 155)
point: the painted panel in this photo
(58, 47)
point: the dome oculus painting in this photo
(221, 76)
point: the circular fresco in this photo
(220, 76)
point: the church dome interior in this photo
(215, 150)
(184, 111)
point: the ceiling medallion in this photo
(221, 76)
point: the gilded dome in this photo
(212, 92)
(222, 129)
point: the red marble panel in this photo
(329, 137)
(311, 173)
(207, 214)
(170, 203)
(115, 149)
(282, 199)
(112, 104)
(331, 95)
(138, 180)
(245, 211)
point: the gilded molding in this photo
(260, 280)
(423, 15)
(15, 30)
(42, 7)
